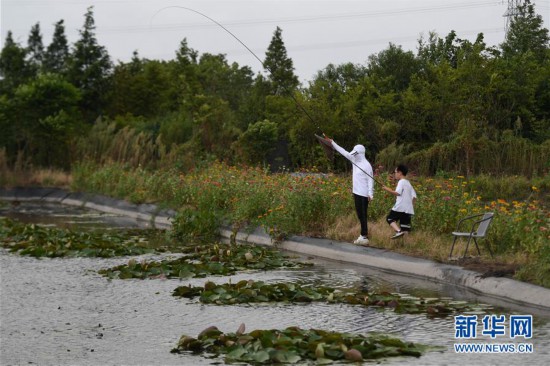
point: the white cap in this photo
(358, 149)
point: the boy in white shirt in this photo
(403, 210)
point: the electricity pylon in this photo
(511, 12)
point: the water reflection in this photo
(61, 312)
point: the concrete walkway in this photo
(504, 290)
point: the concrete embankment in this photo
(503, 290)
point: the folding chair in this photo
(478, 230)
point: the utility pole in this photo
(511, 12)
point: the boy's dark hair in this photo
(403, 169)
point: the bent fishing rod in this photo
(263, 65)
(247, 48)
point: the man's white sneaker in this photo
(398, 234)
(361, 240)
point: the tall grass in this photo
(509, 155)
(107, 142)
(23, 174)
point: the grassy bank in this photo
(320, 205)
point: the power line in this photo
(332, 17)
(343, 44)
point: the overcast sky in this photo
(315, 32)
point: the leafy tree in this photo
(525, 62)
(436, 50)
(42, 116)
(253, 106)
(89, 69)
(228, 82)
(35, 49)
(392, 69)
(334, 95)
(280, 66)
(510, 95)
(141, 88)
(185, 75)
(57, 53)
(257, 142)
(213, 128)
(541, 127)
(241, 82)
(526, 33)
(472, 78)
(14, 70)
(176, 128)
(339, 103)
(213, 73)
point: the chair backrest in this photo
(484, 225)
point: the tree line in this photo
(453, 105)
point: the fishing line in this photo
(245, 46)
(261, 62)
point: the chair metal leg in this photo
(477, 246)
(467, 245)
(489, 248)
(452, 247)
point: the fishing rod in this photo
(261, 62)
(245, 46)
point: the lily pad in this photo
(40, 241)
(293, 344)
(261, 292)
(206, 260)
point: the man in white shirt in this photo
(403, 210)
(363, 186)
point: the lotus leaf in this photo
(293, 344)
(197, 263)
(38, 241)
(260, 292)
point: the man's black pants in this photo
(361, 207)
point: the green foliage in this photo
(142, 88)
(293, 344)
(41, 119)
(135, 185)
(175, 128)
(457, 106)
(448, 106)
(538, 271)
(260, 292)
(35, 49)
(120, 141)
(214, 129)
(205, 260)
(445, 108)
(282, 203)
(200, 223)
(257, 141)
(311, 204)
(13, 68)
(470, 153)
(526, 33)
(280, 66)
(391, 69)
(57, 52)
(88, 69)
(38, 241)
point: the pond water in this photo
(62, 312)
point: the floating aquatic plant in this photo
(293, 344)
(258, 292)
(40, 241)
(204, 260)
